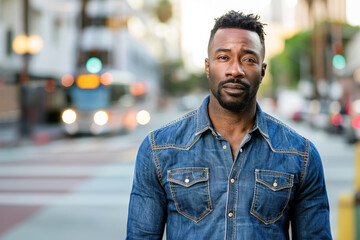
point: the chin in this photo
(233, 106)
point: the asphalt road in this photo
(79, 188)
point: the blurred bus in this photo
(107, 102)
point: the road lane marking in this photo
(41, 170)
(38, 185)
(73, 199)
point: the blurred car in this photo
(291, 105)
(190, 101)
(352, 122)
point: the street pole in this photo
(357, 189)
(25, 128)
(24, 76)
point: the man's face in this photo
(235, 67)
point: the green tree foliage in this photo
(176, 81)
(285, 67)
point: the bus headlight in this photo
(101, 117)
(69, 116)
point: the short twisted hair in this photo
(233, 19)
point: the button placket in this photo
(233, 185)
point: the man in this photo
(228, 170)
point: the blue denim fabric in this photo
(185, 179)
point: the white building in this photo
(54, 21)
(57, 22)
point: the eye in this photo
(249, 60)
(222, 58)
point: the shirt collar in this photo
(260, 122)
(203, 120)
(204, 123)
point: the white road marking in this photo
(41, 170)
(35, 184)
(65, 200)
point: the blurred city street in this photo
(82, 82)
(78, 188)
(75, 188)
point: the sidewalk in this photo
(42, 134)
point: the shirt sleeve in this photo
(310, 219)
(147, 207)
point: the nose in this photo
(235, 70)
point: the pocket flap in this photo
(188, 176)
(274, 180)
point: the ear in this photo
(263, 68)
(207, 67)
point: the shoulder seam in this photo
(156, 160)
(187, 115)
(305, 161)
(290, 129)
(281, 123)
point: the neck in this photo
(227, 122)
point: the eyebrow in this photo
(247, 51)
(223, 50)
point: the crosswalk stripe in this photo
(36, 184)
(65, 200)
(42, 170)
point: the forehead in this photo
(231, 37)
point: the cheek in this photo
(214, 72)
(254, 74)
(213, 84)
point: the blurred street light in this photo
(136, 27)
(143, 117)
(106, 78)
(35, 44)
(136, 4)
(357, 75)
(20, 44)
(23, 44)
(67, 80)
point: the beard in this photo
(240, 105)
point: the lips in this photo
(234, 89)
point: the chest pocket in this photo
(190, 190)
(271, 194)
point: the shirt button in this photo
(230, 214)
(241, 150)
(232, 180)
(224, 147)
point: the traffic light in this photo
(93, 65)
(339, 62)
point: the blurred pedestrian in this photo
(228, 170)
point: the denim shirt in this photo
(186, 179)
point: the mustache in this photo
(233, 80)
